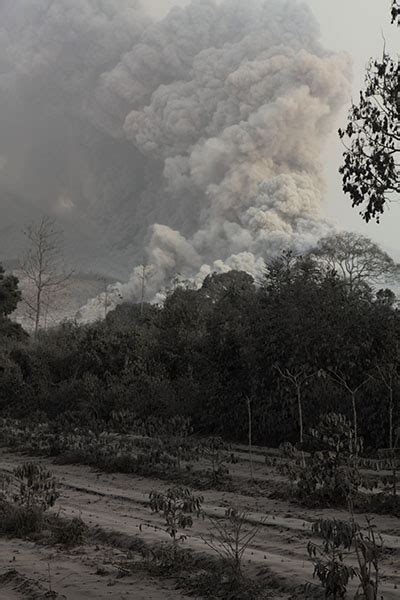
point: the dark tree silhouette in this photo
(10, 296)
(396, 11)
(371, 168)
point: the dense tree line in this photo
(206, 352)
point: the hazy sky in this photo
(199, 146)
(357, 27)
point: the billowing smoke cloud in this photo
(193, 142)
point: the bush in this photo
(68, 532)
(20, 521)
(216, 582)
(347, 552)
(34, 487)
(330, 475)
(25, 496)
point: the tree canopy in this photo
(205, 353)
(356, 259)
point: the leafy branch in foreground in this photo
(329, 556)
(371, 170)
(396, 11)
(344, 541)
(368, 546)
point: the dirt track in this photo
(119, 503)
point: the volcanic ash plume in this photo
(209, 129)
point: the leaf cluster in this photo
(177, 505)
(34, 486)
(371, 168)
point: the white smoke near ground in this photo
(190, 145)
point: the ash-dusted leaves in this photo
(346, 551)
(370, 171)
(396, 12)
(329, 556)
(177, 506)
(34, 487)
(330, 475)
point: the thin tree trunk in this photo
(391, 419)
(300, 409)
(143, 290)
(394, 474)
(250, 438)
(38, 313)
(353, 401)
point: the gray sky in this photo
(67, 128)
(356, 27)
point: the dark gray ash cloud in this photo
(193, 141)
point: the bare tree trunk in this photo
(298, 380)
(38, 313)
(355, 424)
(300, 409)
(394, 474)
(391, 418)
(301, 426)
(105, 299)
(250, 437)
(143, 291)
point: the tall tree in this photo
(371, 168)
(352, 388)
(356, 259)
(298, 380)
(43, 267)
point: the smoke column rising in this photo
(194, 140)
